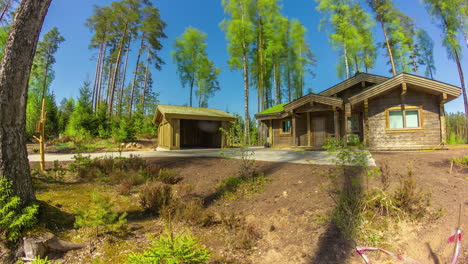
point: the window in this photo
(404, 119)
(286, 127)
(353, 123)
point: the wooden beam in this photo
(403, 88)
(443, 98)
(308, 130)
(363, 84)
(347, 114)
(366, 122)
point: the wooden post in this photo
(171, 133)
(308, 130)
(347, 113)
(443, 126)
(294, 142)
(270, 132)
(366, 122)
(40, 128)
(336, 122)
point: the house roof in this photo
(281, 110)
(415, 82)
(187, 112)
(358, 78)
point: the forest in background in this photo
(270, 50)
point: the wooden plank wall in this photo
(280, 141)
(429, 136)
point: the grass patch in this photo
(460, 160)
(234, 188)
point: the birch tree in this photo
(238, 28)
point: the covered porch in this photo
(305, 123)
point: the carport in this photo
(191, 127)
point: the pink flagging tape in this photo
(456, 237)
(361, 250)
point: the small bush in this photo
(461, 160)
(14, 219)
(168, 176)
(99, 214)
(155, 196)
(409, 198)
(170, 248)
(235, 187)
(190, 210)
(125, 187)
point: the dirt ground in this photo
(292, 215)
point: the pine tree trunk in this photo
(289, 83)
(140, 51)
(465, 100)
(15, 68)
(116, 71)
(191, 90)
(101, 67)
(275, 84)
(124, 73)
(389, 49)
(5, 9)
(246, 99)
(145, 84)
(96, 77)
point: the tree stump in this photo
(41, 244)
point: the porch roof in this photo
(187, 112)
(358, 78)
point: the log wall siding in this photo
(301, 132)
(380, 138)
(281, 141)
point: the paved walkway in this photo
(260, 153)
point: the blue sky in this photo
(75, 61)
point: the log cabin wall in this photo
(380, 137)
(280, 139)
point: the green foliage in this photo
(170, 248)
(461, 160)
(426, 46)
(14, 218)
(456, 128)
(99, 214)
(155, 197)
(168, 176)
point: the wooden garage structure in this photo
(191, 127)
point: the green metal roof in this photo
(274, 109)
(193, 111)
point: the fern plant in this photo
(99, 214)
(173, 249)
(14, 219)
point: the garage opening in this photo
(200, 134)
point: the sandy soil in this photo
(292, 215)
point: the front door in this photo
(319, 131)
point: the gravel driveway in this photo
(260, 153)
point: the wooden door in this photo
(319, 131)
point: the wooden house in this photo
(191, 127)
(402, 112)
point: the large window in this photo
(404, 119)
(286, 127)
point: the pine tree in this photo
(426, 47)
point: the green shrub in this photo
(190, 210)
(461, 160)
(155, 196)
(170, 248)
(99, 214)
(14, 219)
(409, 198)
(168, 176)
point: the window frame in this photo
(282, 133)
(403, 110)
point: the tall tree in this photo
(14, 72)
(350, 32)
(240, 35)
(207, 79)
(426, 47)
(446, 13)
(189, 53)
